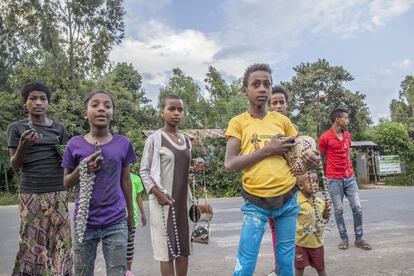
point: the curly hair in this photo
(253, 68)
(35, 86)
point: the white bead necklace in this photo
(177, 240)
(86, 183)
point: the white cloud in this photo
(383, 10)
(152, 5)
(405, 65)
(251, 31)
(287, 20)
(162, 48)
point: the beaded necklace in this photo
(173, 136)
(86, 183)
(321, 222)
(177, 240)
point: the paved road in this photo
(388, 226)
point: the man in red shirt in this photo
(335, 144)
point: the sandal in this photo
(362, 244)
(344, 244)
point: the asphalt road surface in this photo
(388, 226)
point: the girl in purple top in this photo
(111, 191)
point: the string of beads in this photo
(321, 222)
(177, 240)
(86, 183)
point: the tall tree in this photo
(399, 111)
(402, 110)
(126, 75)
(407, 91)
(75, 37)
(216, 85)
(393, 138)
(225, 100)
(318, 88)
(194, 103)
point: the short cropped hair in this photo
(336, 113)
(163, 101)
(35, 86)
(279, 89)
(254, 68)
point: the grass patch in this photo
(400, 180)
(8, 199)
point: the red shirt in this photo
(338, 163)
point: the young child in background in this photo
(278, 103)
(279, 100)
(137, 189)
(164, 172)
(309, 240)
(111, 189)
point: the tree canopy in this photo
(317, 89)
(66, 45)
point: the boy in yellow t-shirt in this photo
(256, 143)
(309, 240)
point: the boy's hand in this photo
(312, 159)
(28, 139)
(94, 161)
(280, 145)
(328, 207)
(144, 220)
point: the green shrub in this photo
(8, 199)
(219, 182)
(400, 180)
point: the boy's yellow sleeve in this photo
(290, 130)
(233, 129)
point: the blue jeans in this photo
(255, 220)
(338, 187)
(114, 246)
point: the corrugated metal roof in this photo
(191, 133)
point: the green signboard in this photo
(389, 164)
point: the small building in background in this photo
(367, 155)
(195, 133)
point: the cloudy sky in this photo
(373, 40)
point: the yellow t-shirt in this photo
(271, 176)
(305, 223)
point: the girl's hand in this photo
(28, 139)
(130, 222)
(144, 220)
(162, 198)
(94, 161)
(165, 199)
